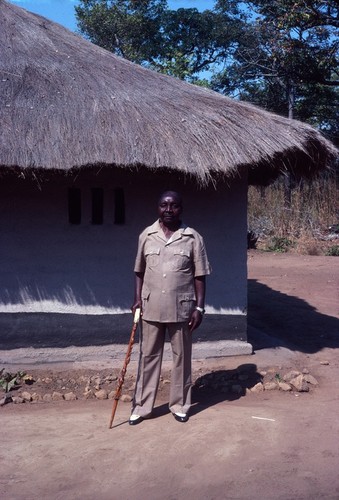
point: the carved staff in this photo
(124, 368)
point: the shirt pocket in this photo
(145, 294)
(152, 256)
(181, 260)
(186, 304)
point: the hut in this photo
(88, 141)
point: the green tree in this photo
(129, 28)
(279, 54)
(289, 59)
(184, 43)
(196, 41)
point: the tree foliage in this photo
(290, 64)
(280, 54)
(183, 43)
(131, 29)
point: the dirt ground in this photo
(236, 445)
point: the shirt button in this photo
(164, 275)
(163, 291)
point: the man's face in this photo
(170, 209)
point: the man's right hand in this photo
(136, 305)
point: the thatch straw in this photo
(67, 103)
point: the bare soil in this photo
(237, 444)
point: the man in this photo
(170, 269)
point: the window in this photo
(74, 206)
(97, 205)
(119, 206)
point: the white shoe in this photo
(135, 419)
(180, 417)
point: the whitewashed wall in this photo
(56, 273)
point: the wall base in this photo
(39, 338)
(101, 357)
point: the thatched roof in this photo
(67, 103)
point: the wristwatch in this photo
(200, 309)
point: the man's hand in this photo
(139, 280)
(195, 321)
(137, 305)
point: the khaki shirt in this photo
(170, 266)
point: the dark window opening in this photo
(74, 206)
(97, 205)
(119, 206)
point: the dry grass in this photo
(303, 226)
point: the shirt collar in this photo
(156, 228)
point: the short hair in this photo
(174, 194)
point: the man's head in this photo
(170, 209)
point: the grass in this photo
(300, 226)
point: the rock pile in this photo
(49, 389)
(70, 386)
(246, 380)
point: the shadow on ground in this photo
(218, 386)
(223, 385)
(279, 320)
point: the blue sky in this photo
(62, 11)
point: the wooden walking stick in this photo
(124, 368)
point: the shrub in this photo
(306, 217)
(277, 244)
(333, 251)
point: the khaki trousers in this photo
(152, 339)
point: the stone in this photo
(88, 394)
(310, 379)
(47, 398)
(259, 387)
(284, 386)
(291, 375)
(26, 396)
(300, 384)
(305, 371)
(17, 400)
(36, 398)
(70, 396)
(111, 395)
(166, 381)
(101, 394)
(111, 378)
(325, 363)
(57, 396)
(270, 386)
(6, 399)
(126, 398)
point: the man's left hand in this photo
(195, 321)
